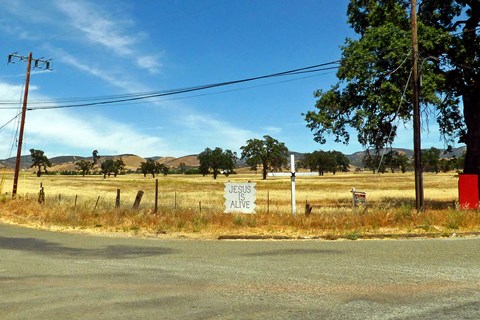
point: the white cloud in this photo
(62, 132)
(117, 79)
(149, 63)
(116, 35)
(68, 131)
(206, 131)
(97, 27)
(273, 130)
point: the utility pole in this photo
(417, 148)
(37, 62)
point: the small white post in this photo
(292, 170)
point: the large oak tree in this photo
(375, 70)
(217, 160)
(269, 153)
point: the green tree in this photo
(390, 160)
(107, 167)
(431, 160)
(163, 169)
(84, 166)
(119, 166)
(269, 153)
(151, 167)
(95, 157)
(446, 165)
(402, 161)
(183, 167)
(321, 161)
(111, 166)
(217, 160)
(318, 161)
(373, 161)
(339, 162)
(39, 160)
(375, 68)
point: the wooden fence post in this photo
(156, 196)
(117, 200)
(41, 194)
(138, 199)
(268, 201)
(96, 204)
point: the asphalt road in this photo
(48, 275)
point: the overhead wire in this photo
(96, 101)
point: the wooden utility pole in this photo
(417, 148)
(29, 59)
(22, 127)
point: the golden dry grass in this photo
(194, 205)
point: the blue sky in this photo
(116, 47)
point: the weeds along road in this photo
(46, 275)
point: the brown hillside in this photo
(131, 161)
(165, 160)
(68, 166)
(189, 161)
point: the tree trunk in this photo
(471, 109)
(264, 171)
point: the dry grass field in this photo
(192, 206)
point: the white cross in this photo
(292, 174)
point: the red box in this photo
(468, 195)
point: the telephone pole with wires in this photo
(38, 63)
(417, 149)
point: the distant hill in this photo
(356, 158)
(132, 161)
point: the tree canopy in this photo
(153, 167)
(269, 153)
(217, 160)
(84, 166)
(326, 161)
(39, 160)
(111, 166)
(375, 71)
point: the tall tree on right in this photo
(375, 68)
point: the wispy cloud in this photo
(202, 129)
(119, 79)
(149, 63)
(114, 34)
(60, 132)
(273, 130)
(97, 27)
(67, 131)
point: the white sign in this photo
(240, 197)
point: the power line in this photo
(6, 123)
(95, 101)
